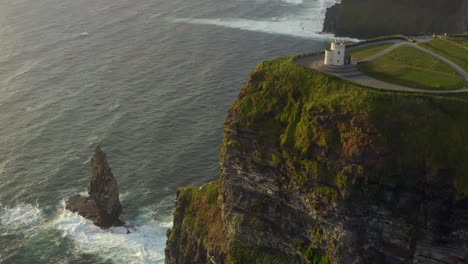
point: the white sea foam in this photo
(22, 215)
(145, 244)
(307, 23)
(113, 107)
(295, 2)
(291, 27)
(92, 141)
(3, 165)
(21, 71)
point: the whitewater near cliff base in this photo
(108, 73)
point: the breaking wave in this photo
(298, 18)
(145, 243)
(290, 27)
(296, 2)
(23, 215)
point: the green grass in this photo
(209, 191)
(200, 212)
(379, 39)
(327, 193)
(307, 105)
(365, 52)
(244, 253)
(413, 68)
(317, 256)
(460, 41)
(454, 49)
(330, 130)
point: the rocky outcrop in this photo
(315, 169)
(372, 18)
(102, 206)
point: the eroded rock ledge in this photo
(315, 169)
(102, 206)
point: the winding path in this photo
(449, 62)
(351, 72)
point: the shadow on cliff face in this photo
(315, 169)
(372, 18)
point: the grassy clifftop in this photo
(310, 116)
(314, 167)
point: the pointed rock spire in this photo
(103, 186)
(103, 205)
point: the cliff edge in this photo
(372, 18)
(315, 169)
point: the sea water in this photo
(151, 81)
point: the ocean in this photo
(151, 81)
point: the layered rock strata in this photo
(315, 169)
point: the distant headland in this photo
(371, 18)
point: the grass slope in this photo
(460, 41)
(201, 217)
(410, 67)
(453, 49)
(361, 53)
(301, 110)
(337, 134)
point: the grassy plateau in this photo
(413, 68)
(301, 110)
(454, 49)
(361, 53)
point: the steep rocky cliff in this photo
(371, 18)
(315, 169)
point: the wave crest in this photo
(145, 243)
(20, 216)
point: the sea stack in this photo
(102, 206)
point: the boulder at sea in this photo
(102, 205)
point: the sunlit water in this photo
(149, 80)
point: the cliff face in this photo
(315, 169)
(371, 18)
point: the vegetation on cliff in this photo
(197, 210)
(461, 41)
(304, 111)
(303, 151)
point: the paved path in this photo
(395, 45)
(351, 73)
(449, 62)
